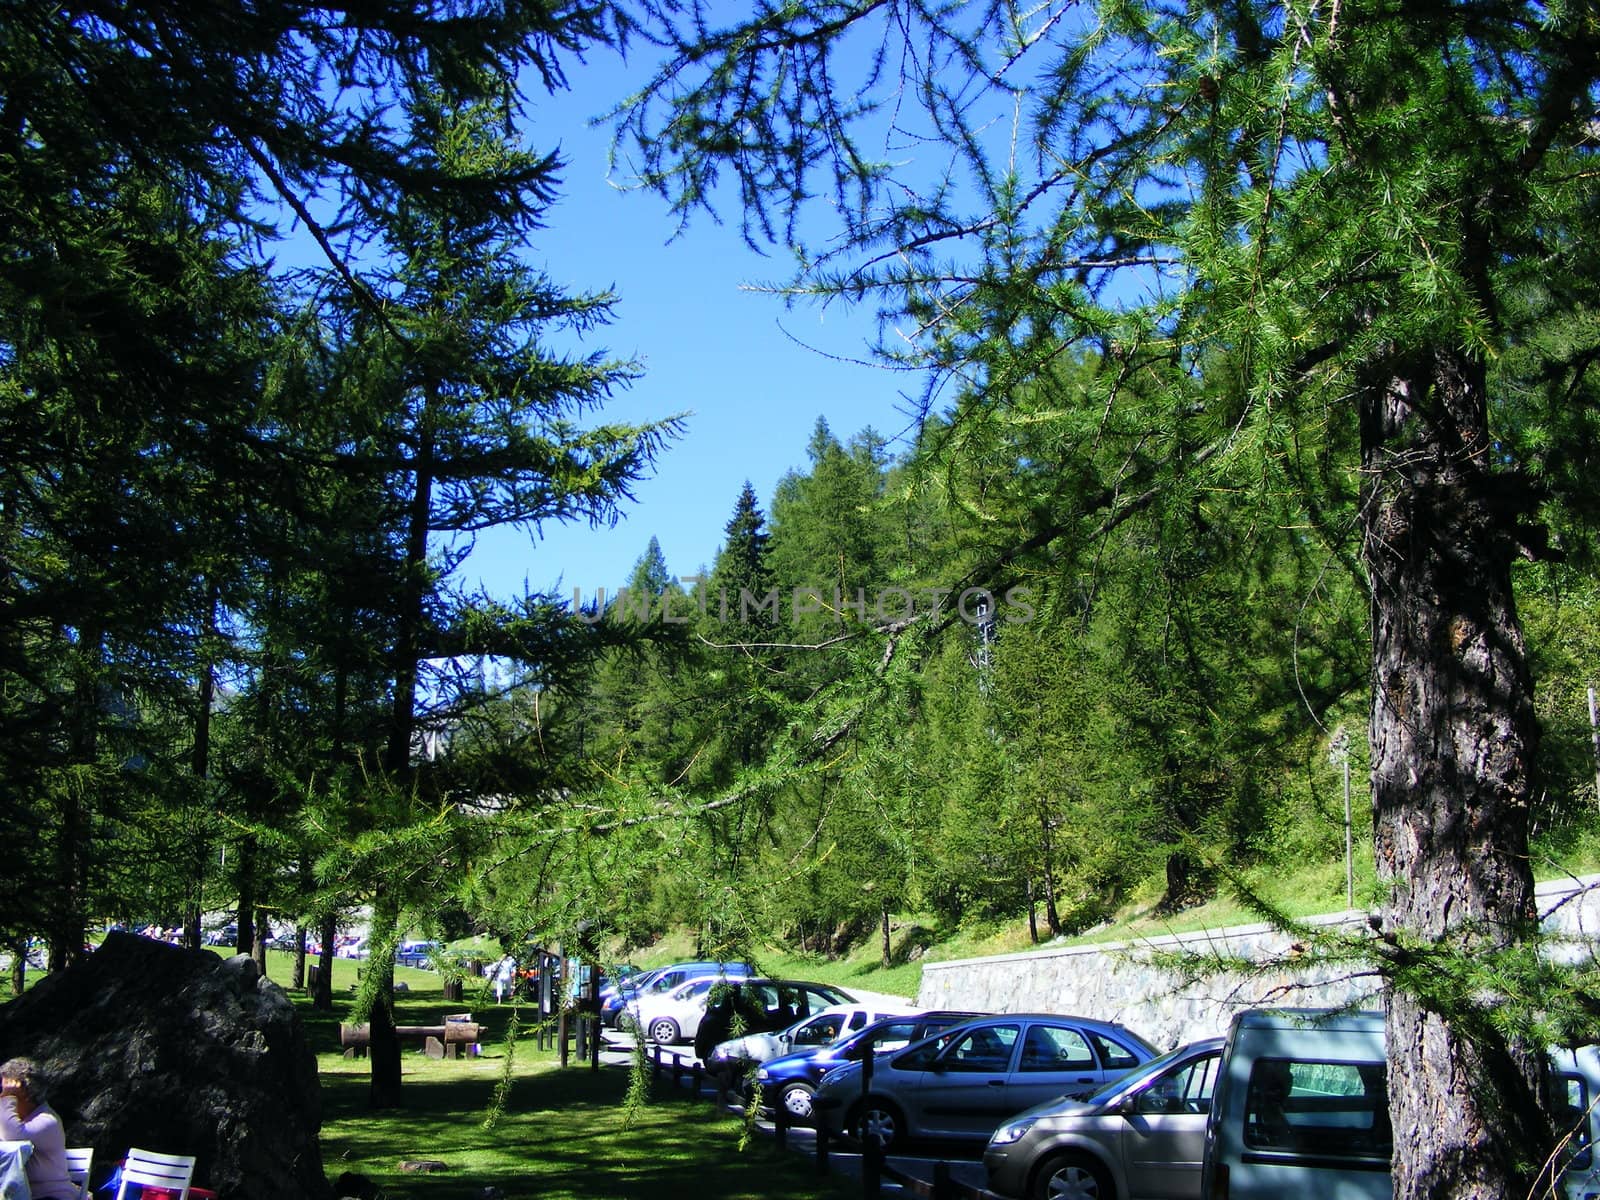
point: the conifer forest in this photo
(1252, 353)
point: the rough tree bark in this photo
(1453, 736)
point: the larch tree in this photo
(121, 122)
(1380, 216)
(472, 416)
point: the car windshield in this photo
(1136, 1076)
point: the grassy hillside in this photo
(1310, 890)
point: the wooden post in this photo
(592, 1018)
(871, 1148)
(871, 1168)
(780, 1124)
(942, 1189)
(822, 1145)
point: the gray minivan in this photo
(1302, 1109)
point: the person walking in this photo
(505, 974)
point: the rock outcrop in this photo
(181, 1052)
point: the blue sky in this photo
(735, 360)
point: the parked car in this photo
(1139, 1137)
(417, 954)
(965, 1083)
(661, 1018)
(614, 1001)
(1302, 1108)
(703, 1010)
(733, 1058)
(745, 1006)
(661, 984)
(614, 978)
(351, 946)
(790, 1080)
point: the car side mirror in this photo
(1128, 1106)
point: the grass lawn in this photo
(563, 1134)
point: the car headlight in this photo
(1010, 1132)
(763, 1075)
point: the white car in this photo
(672, 1016)
(759, 1004)
(736, 1056)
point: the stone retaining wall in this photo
(1118, 981)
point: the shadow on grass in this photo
(562, 1135)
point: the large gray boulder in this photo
(181, 1052)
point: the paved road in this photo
(966, 1166)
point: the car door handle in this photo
(997, 1083)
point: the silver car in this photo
(1141, 1137)
(964, 1082)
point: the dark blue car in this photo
(789, 1080)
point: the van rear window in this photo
(1337, 1109)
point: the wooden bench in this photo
(457, 1035)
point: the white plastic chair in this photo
(149, 1169)
(79, 1161)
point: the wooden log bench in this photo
(457, 1035)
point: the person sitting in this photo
(25, 1116)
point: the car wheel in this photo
(877, 1120)
(795, 1099)
(1072, 1177)
(663, 1030)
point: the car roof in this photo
(946, 1019)
(888, 1010)
(1091, 1024)
(1308, 1018)
(763, 981)
(1070, 1018)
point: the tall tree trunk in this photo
(384, 1051)
(403, 713)
(1052, 915)
(1452, 734)
(200, 765)
(383, 1048)
(244, 916)
(258, 949)
(65, 916)
(322, 994)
